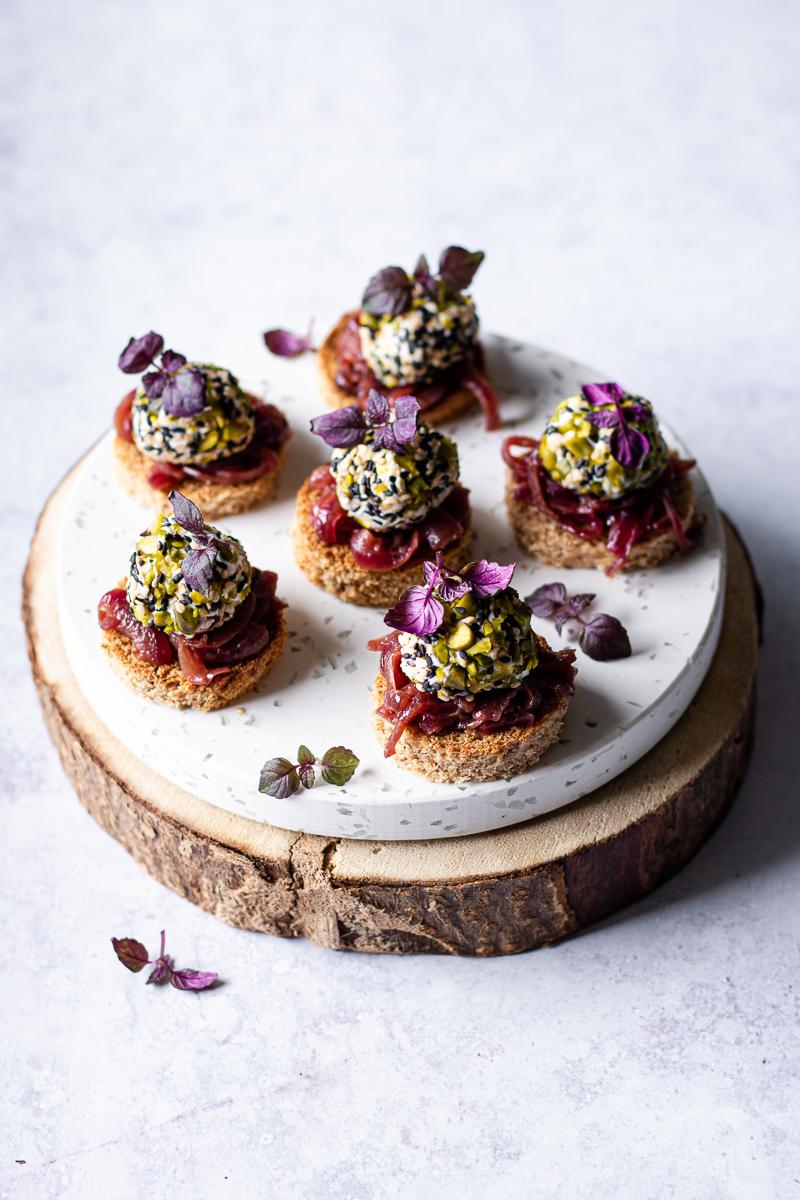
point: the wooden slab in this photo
(493, 893)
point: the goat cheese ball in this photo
(578, 455)
(484, 642)
(159, 595)
(384, 490)
(414, 346)
(224, 426)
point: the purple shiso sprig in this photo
(628, 444)
(420, 609)
(180, 388)
(346, 427)
(390, 291)
(134, 956)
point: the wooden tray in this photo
(492, 893)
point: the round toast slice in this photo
(335, 570)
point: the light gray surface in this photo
(211, 169)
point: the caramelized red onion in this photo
(209, 655)
(354, 376)
(488, 712)
(441, 527)
(259, 457)
(620, 522)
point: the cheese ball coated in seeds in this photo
(428, 337)
(484, 642)
(578, 454)
(160, 596)
(225, 426)
(384, 490)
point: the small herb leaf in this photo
(198, 568)
(130, 953)
(342, 428)
(417, 611)
(388, 293)
(546, 600)
(307, 775)
(279, 778)
(457, 267)
(140, 352)
(338, 765)
(187, 514)
(305, 757)
(286, 344)
(187, 980)
(604, 638)
(486, 578)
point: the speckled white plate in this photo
(319, 692)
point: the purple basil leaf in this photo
(162, 970)
(171, 361)
(452, 587)
(422, 270)
(404, 427)
(603, 418)
(629, 446)
(560, 618)
(140, 352)
(184, 393)
(342, 428)
(198, 568)
(423, 277)
(154, 383)
(279, 778)
(576, 604)
(286, 344)
(187, 514)
(604, 638)
(188, 980)
(635, 411)
(486, 578)
(546, 600)
(306, 774)
(417, 611)
(377, 410)
(130, 953)
(388, 293)
(457, 267)
(602, 393)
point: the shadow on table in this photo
(761, 832)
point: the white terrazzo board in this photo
(319, 692)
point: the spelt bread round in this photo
(336, 397)
(550, 543)
(214, 500)
(467, 755)
(166, 683)
(335, 570)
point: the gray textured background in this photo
(209, 169)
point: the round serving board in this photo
(319, 693)
(493, 893)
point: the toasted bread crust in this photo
(466, 755)
(214, 500)
(334, 569)
(335, 397)
(548, 542)
(166, 684)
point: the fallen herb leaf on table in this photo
(134, 956)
